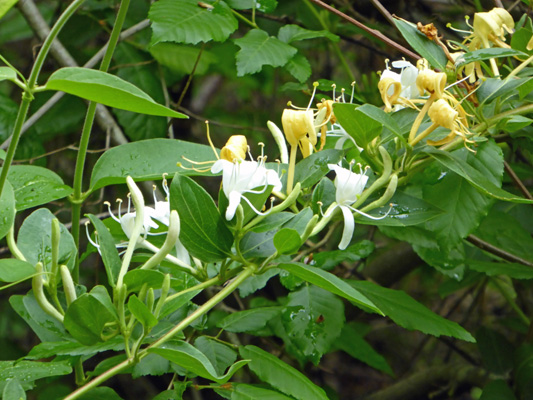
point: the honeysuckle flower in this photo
(431, 82)
(241, 177)
(397, 88)
(299, 129)
(442, 114)
(235, 148)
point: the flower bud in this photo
(297, 124)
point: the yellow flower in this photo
(235, 148)
(431, 82)
(299, 129)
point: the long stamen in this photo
(333, 86)
(209, 139)
(129, 203)
(165, 186)
(315, 85)
(342, 95)
(353, 92)
(371, 216)
(94, 243)
(108, 204)
(154, 188)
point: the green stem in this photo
(244, 19)
(200, 311)
(335, 46)
(77, 196)
(511, 302)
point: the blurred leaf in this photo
(106, 89)
(146, 160)
(266, 6)
(520, 39)
(100, 393)
(486, 54)
(12, 270)
(280, 375)
(244, 391)
(181, 59)
(13, 390)
(220, 355)
(186, 21)
(8, 114)
(248, 320)
(351, 341)
(6, 73)
(496, 351)
(409, 313)
(299, 67)
(497, 390)
(422, 45)
(292, 33)
(329, 259)
(523, 370)
(7, 209)
(203, 231)
(193, 360)
(35, 240)
(493, 88)
(513, 270)
(26, 372)
(258, 49)
(331, 283)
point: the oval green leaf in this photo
(13, 270)
(7, 209)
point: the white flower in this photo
(349, 187)
(240, 177)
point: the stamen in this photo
(209, 139)
(353, 92)
(154, 188)
(129, 203)
(262, 149)
(108, 204)
(371, 216)
(342, 95)
(249, 153)
(320, 204)
(387, 63)
(165, 186)
(333, 86)
(315, 85)
(94, 243)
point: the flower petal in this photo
(349, 225)
(234, 201)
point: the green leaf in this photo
(330, 259)
(153, 365)
(299, 67)
(186, 21)
(220, 355)
(46, 327)
(493, 88)
(13, 270)
(496, 351)
(26, 372)
(137, 278)
(476, 177)
(203, 231)
(497, 390)
(272, 370)
(258, 49)
(73, 348)
(287, 241)
(244, 391)
(6, 73)
(513, 270)
(311, 169)
(486, 54)
(357, 124)
(408, 313)
(7, 209)
(523, 370)
(87, 316)
(100, 393)
(147, 78)
(13, 390)
(385, 119)
(292, 33)
(35, 240)
(146, 160)
(108, 251)
(182, 59)
(422, 45)
(331, 283)
(311, 322)
(248, 320)
(141, 312)
(193, 360)
(266, 6)
(351, 341)
(273, 221)
(34, 186)
(520, 39)
(106, 89)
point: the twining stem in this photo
(200, 311)
(27, 95)
(77, 197)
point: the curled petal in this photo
(234, 201)
(349, 225)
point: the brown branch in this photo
(478, 242)
(377, 34)
(517, 181)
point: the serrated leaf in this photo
(146, 160)
(193, 360)
(266, 6)
(244, 391)
(280, 375)
(7, 209)
(35, 185)
(186, 21)
(73, 348)
(106, 89)
(26, 372)
(220, 355)
(258, 49)
(292, 33)
(408, 313)
(203, 231)
(248, 320)
(331, 283)
(299, 67)
(422, 45)
(512, 270)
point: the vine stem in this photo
(27, 95)
(77, 196)
(200, 311)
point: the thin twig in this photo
(517, 181)
(478, 242)
(388, 16)
(377, 34)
